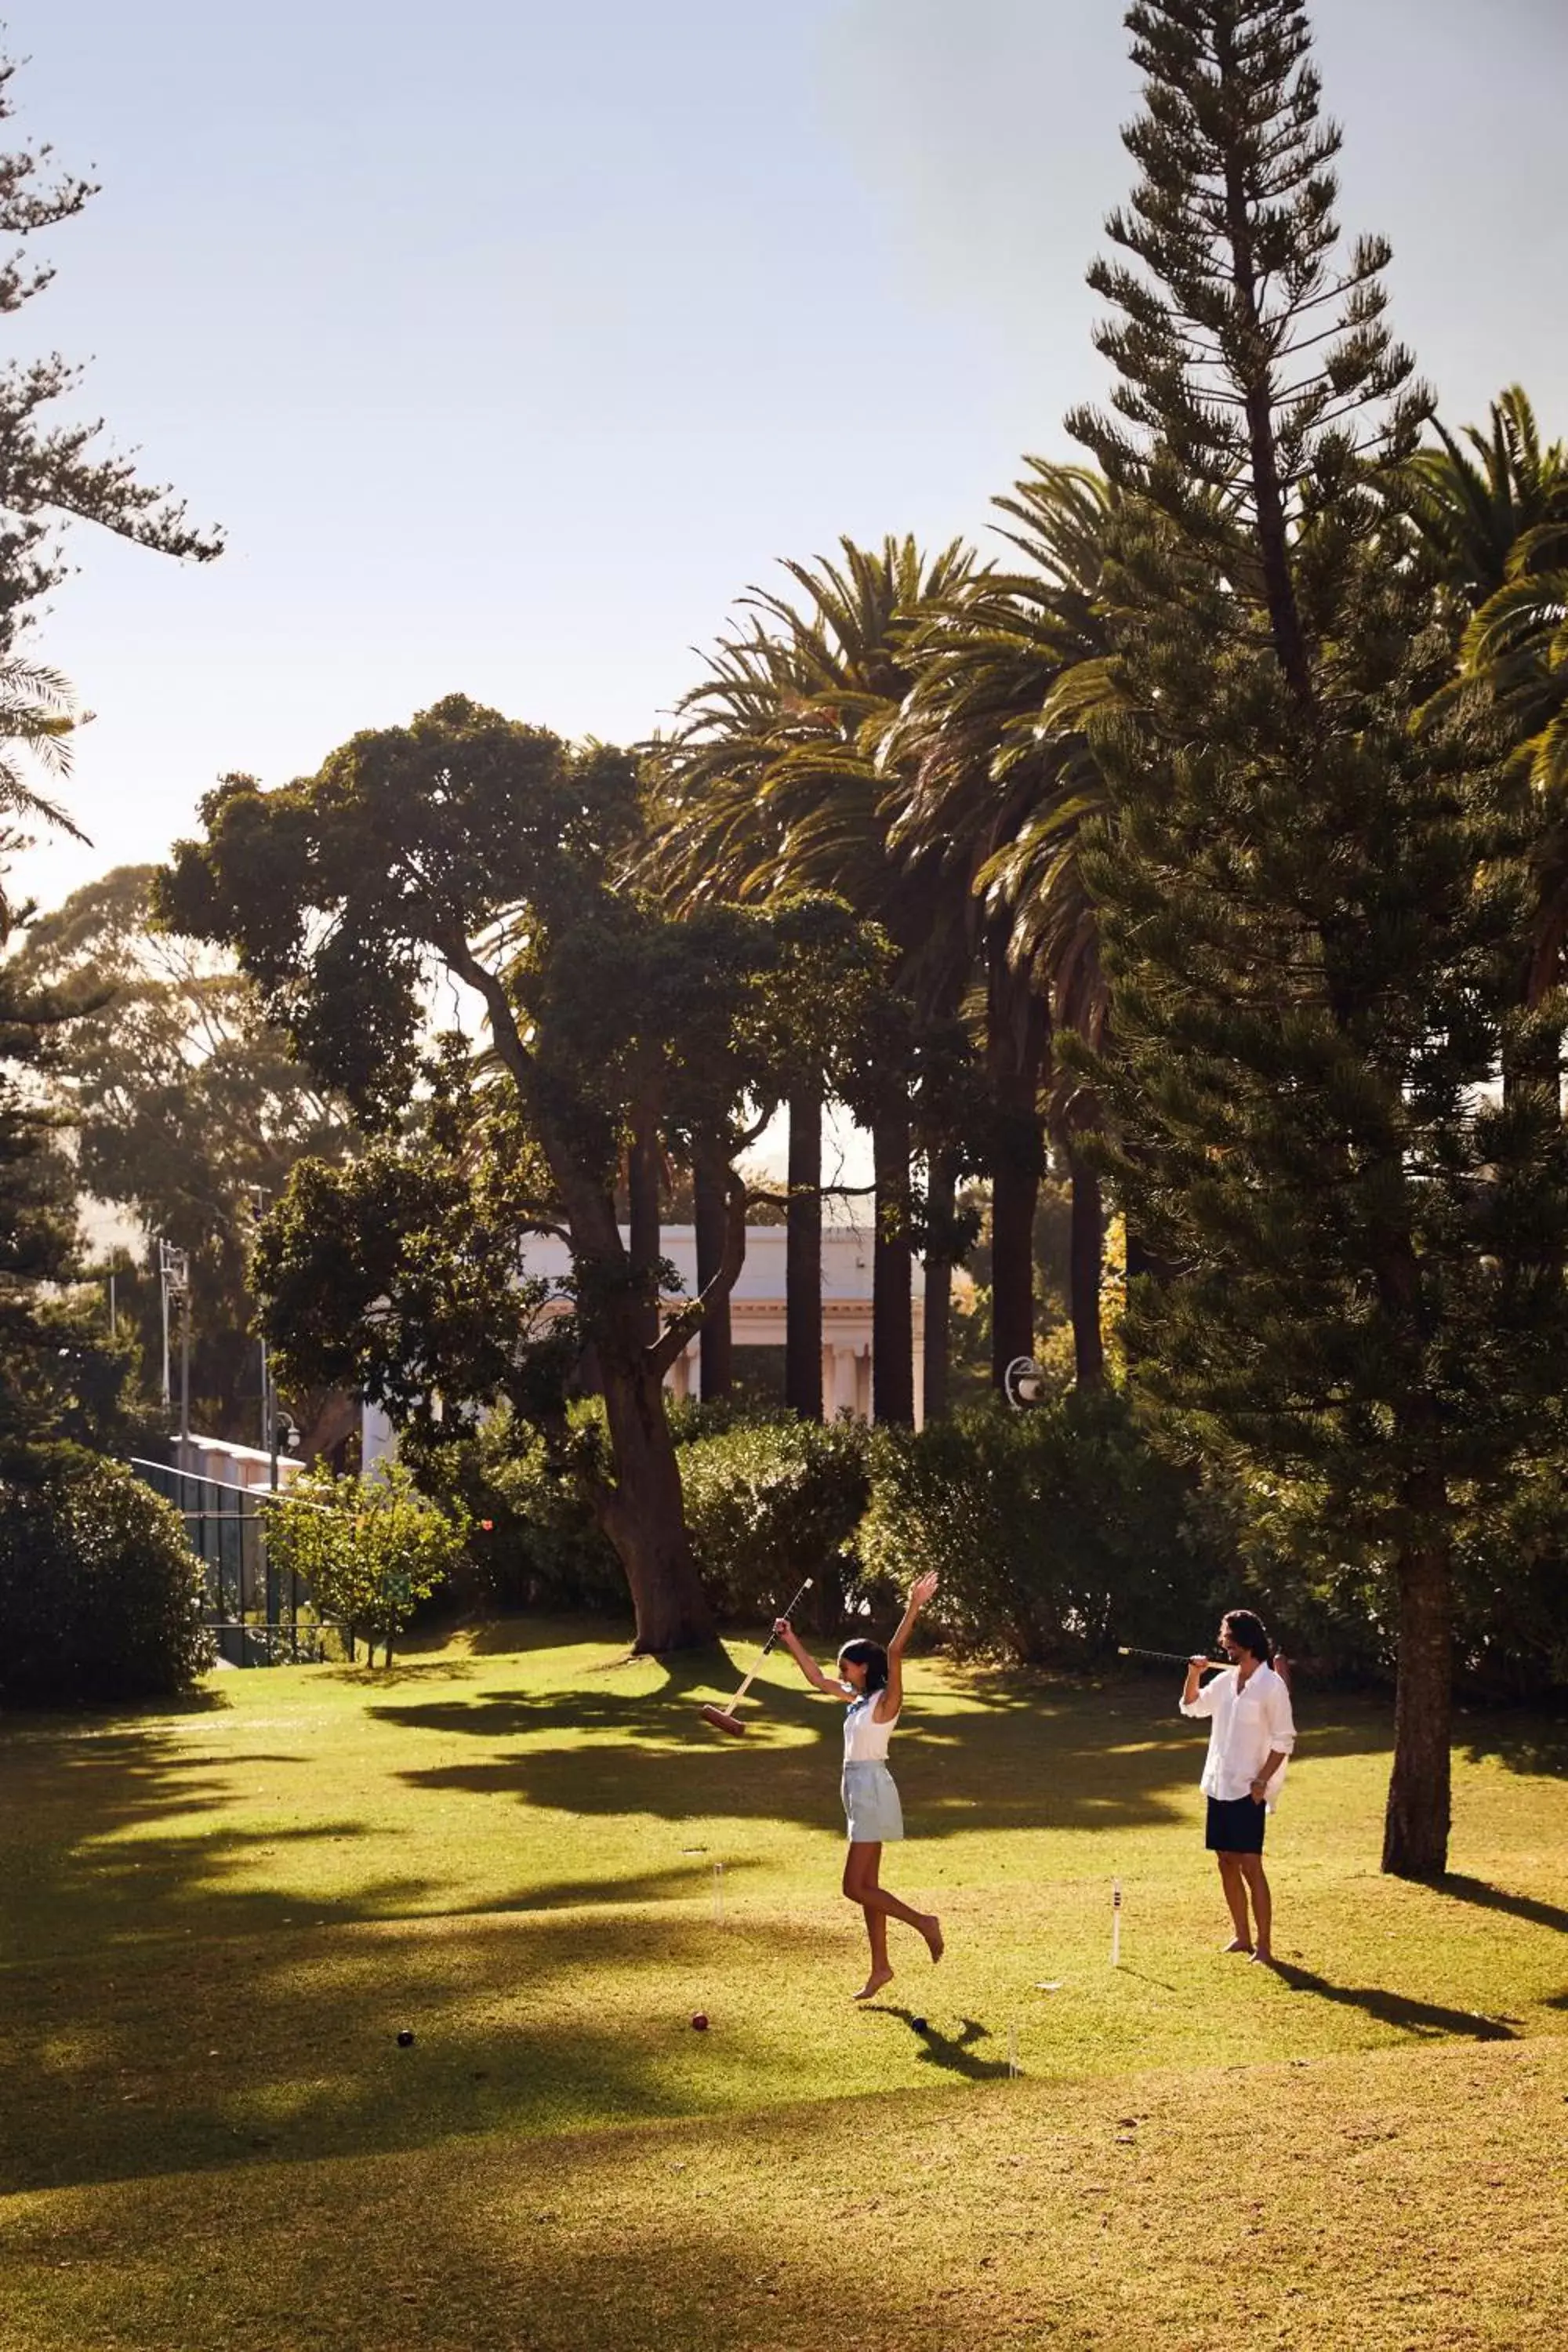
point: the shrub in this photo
(1056, 1532)
(370, 1549)
(101, 1595)
(534, 1542)
(769, 1503)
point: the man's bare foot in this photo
(1263, 1957)
(1236, 1944)
(931, 1929)
(874, 1983)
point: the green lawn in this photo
(216, 1922)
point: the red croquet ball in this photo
(699, 2021)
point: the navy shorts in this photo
(1236, 1825)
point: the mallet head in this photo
(720, 1721)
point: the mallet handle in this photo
(787, 1613)
(767, 1645)
(1167, 1657)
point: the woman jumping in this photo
(872, 1680)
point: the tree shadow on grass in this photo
(1488, 1897)
(158, 2019)
(1424, 2017)
(1048, 1758)
(695, 1882)
(401, 1673)
(293, 2052)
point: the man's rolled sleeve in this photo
(1281, 1722)
(1204, 1703)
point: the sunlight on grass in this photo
(218, 1920)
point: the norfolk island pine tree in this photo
(1308, 891)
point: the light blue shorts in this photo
(871, 1803)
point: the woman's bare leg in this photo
(861, 1885)
(861, 1864)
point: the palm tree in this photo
(1001, 778)
(1492, 509)
(37, 715)
(1473, 510)
(773, 782)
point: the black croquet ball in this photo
(700, 2021)
(918, 2023)
(406, 2038)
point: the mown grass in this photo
(215, 1921)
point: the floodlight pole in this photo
(260, 1194)
(175, 1280)
(185, 1376)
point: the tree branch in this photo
(459, 957)
(682, 1328)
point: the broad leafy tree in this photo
(469, 846)
(1307, 894)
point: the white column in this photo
(843, 1391)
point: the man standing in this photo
(1251, 1732)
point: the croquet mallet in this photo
(725, 1718)
(1167, 1657)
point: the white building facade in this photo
(756, 1315)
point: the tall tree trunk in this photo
(642, 1183)
(1017, 1035)
(803, 1256)
(1416, 1825)
(1086, 1267)
(942, 1210)
(715, 1340)
(641, 1513)
(892, 1265)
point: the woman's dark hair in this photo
(1251, 1632)
(872, 1656)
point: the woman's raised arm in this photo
(891, 1700)
(806, 1663)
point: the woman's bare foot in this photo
(931, 1929)
(1263, 1957)
(1236, 1944)
(874, 1983)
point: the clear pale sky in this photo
(509, 340)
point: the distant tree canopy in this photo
(186, 1110)
(58, 1377)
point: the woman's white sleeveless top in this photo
(865, 1741)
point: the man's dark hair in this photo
(1251, 1632)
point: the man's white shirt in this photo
(1247, 1724)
